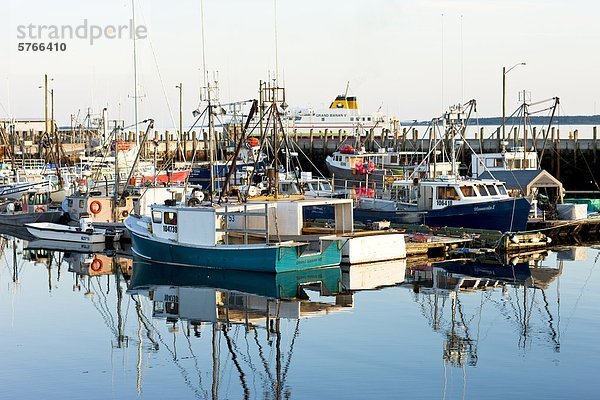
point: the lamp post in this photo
(180, 87)
(45, 87)
(504, 72)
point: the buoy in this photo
(96, 265)
(95, 207)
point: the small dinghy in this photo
(84, 233)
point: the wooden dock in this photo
(419, 245)
(569, 232)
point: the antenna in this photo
(204, 72)
(442, 65)
(462, 74)
(276, 50)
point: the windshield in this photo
(468, 191)
(491, 189)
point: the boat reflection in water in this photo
(447, 290)
(236, 306)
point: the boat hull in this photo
(508, 215)
(343, 175)
(262, 258)
(366, 216)
(285, 285)
(63, 233)
(22, 218)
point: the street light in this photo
(504, 72)
(46, 99)
(180, 87)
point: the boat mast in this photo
(211, 132)
(116, 190)
(135, 91)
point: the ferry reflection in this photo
(444, 291)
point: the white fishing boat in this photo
(84, 233)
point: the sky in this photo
(410, 59)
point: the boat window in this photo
(81, 203)
(468, 191)
(69, 203)
(482, 190)
(159, 307)
(322, 119)
(351, 118)
(501, 189)
(171, 218)
(492, 189)
(157, 217)
(447, 193)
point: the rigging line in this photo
(553, 334)
(162, 85)
(147, 324)
(191, 162)
(309, 160)
(588, 167)
(585, 283)
(263, 359)
(184, 374)
(102, 296)
(236, 363)
(289, 358)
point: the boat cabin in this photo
(255, 222)
(428, 195)
(515, 159)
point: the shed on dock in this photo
(523, 182)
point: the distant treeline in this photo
(534, 120)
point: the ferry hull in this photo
(508, 215)
(267, 258)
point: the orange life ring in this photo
(96, 265)
(95, 207)
(124, 214)
(40, 209)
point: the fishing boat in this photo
(232, 236)
(34, 206)
(446, 199)
(348, 164)
(84, 233)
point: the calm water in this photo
(71, 329)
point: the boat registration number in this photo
(444, 202)
(170, 228)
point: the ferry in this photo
(343, 115)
